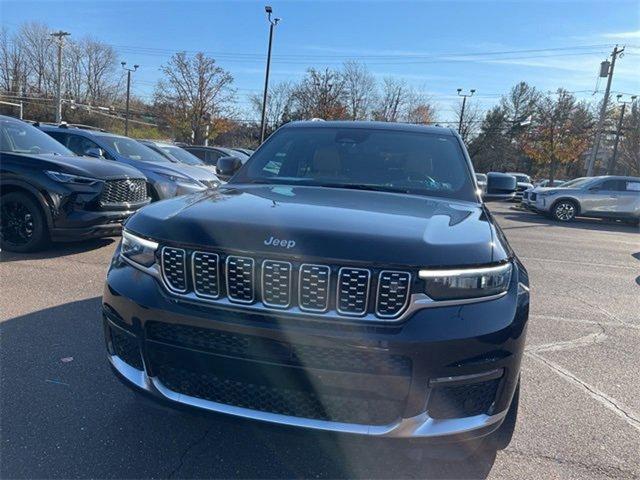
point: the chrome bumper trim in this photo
(420, 426)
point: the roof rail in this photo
(85, 127)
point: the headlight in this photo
(138, 250)
(182, 180)
(466, 283)
(68, 178)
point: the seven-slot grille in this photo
(353, 291)
(240, 279)
(393, 293)
(281, 284)
(276, 283)
(313, 290)
(174, 268)
(117, 192)
(206, 274)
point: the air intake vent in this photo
(353, 291)
(240, 279)
(276, 283)
(313, 289)
(174, 269)
(393, 293)
(206, 274)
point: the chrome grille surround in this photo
(352, 295)
(240, 276)
(385, 293)
(174, 268)
(205, 272)
(316, 277)
(276, 283)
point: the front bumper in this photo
(78, 224)
(445, 347)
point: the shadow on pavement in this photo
(579, 223)
(64, 415)
(57, 250)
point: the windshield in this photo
(181, 155)
(132, 149)
(389, 160)
(20, 137)
(577, 182)
(521, 178)
(481, 177)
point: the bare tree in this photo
(470, 119)
(359, 90)
(629, 161)
(419, 108)
(195, 93)
(392, 100)
(278, 101)
(12, 63)
(39, 51)
(320, 94)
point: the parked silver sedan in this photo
(615, 197)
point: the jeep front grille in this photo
(240, 275)
(118, 192)
(353, 291)
(278, 284)
(174, 268)
(393, 293)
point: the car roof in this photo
(78, 131)
(366, 124)
(617, 177)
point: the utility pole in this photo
(272, 23)
(612, 164)
(126, 115)
(464, 102)
(59, 35)
(606, 70)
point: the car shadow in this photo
(579, 223)
(56, 250)
(65, 415)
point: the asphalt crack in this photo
(187, 450)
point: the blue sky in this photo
(436, 46)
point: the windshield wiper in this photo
(366, 187)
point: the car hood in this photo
(191, 171)
(85, 166)
(324, 224)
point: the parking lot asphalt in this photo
(64, 415)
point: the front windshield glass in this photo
(522, 178)
(132, 150)
(481, 177)
(181, 155)
(376, 159)
(20, 137)
(577, 182)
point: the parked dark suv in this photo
(348, 278)
(48, 193)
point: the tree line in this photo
(528, 130)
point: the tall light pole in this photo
(606, 70)
(272, 23)
(464, 102)
(126, 115)
(59, 35)
(612, 163)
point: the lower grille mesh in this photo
(126, 347)
(284, 401)
(462, 400)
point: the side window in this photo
(213, 156)
(79, 145)
(60, 137)
(197, 152)
(633, 186)
(613, 185)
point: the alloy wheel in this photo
(565, 211)
(17, 223)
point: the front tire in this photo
(23, 227)
(564, 210)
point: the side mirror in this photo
(94, 152)
(500, 187)
(227, 166)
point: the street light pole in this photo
(612, 163)
(272, 24)
(464, 102)
(126, 115)
(59, 35)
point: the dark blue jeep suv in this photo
(348, 278)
